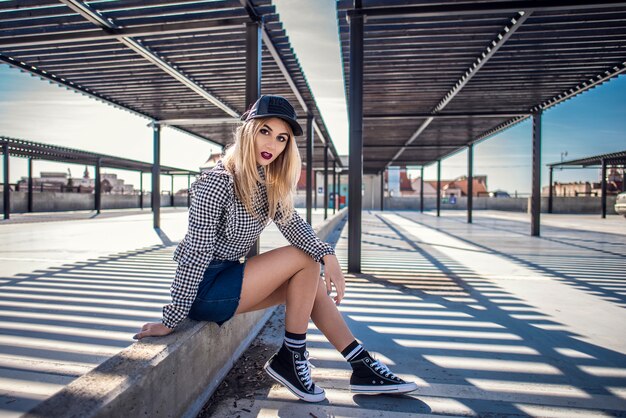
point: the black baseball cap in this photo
(274, 107)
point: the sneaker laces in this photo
(382, 369)
(303, 368)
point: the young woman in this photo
(232, 204)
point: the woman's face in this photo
(271, 140)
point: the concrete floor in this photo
(489, 321)
(75, 287)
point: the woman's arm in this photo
(334, 276)
(301, 235)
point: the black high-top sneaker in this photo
(292, 370)
(372, 376)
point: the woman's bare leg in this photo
(328, 319)
(288, 269)
(324, 314)
(330, 322)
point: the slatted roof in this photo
(39, 151)
(163, 59)
(614, 158)
(439, 75)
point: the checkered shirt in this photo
(221, 228)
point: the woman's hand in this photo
(153, 329)
(334, 276)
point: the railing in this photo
(40, 188)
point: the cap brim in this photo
(295, 126)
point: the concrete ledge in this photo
(332, 223)
(570, 205)
(170, 376)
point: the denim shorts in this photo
(219, 292)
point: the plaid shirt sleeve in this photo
(301, 235)
(210, 194)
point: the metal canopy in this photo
(438, 77)
(614, 158)
(39, 151)
(163, 59)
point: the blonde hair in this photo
(281, 175)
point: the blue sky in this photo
(31, 109)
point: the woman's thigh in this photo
(267, 272)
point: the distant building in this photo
(111, 184)
(406, 185)
(457, 187)
(61, 182)
(49, 181)
(430, 188)
(614, 185)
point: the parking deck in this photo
(489, 321)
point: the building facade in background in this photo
(64, 182)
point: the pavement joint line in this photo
(549, 272)
(510, 315)
(479, 292)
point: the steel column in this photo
(315, 190)
(6, 193)
(470, 182)
(339, 189)
(30, 185)
(253, 62)
(141, 190)
(355, 112)
(422, 189)
(171, 190)
(382, 189)
(309, 167)
(325, 182)
(334, 186)
(98, 188)
(535, 200)
(438, 187)
(188, 190)
(156, 176)
(550, 190)
(254, 70)
(603, 188)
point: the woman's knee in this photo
(305, 259)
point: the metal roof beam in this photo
(199, 121)
(413, 146)
(249, 7)
(580, 88)
(489, 52)
(112, 34)
(283, 69)
(469, 8)
(502, 37)
(96, 18)
(44, 75)
(23, 148)
(445, 115)
(612, 158)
